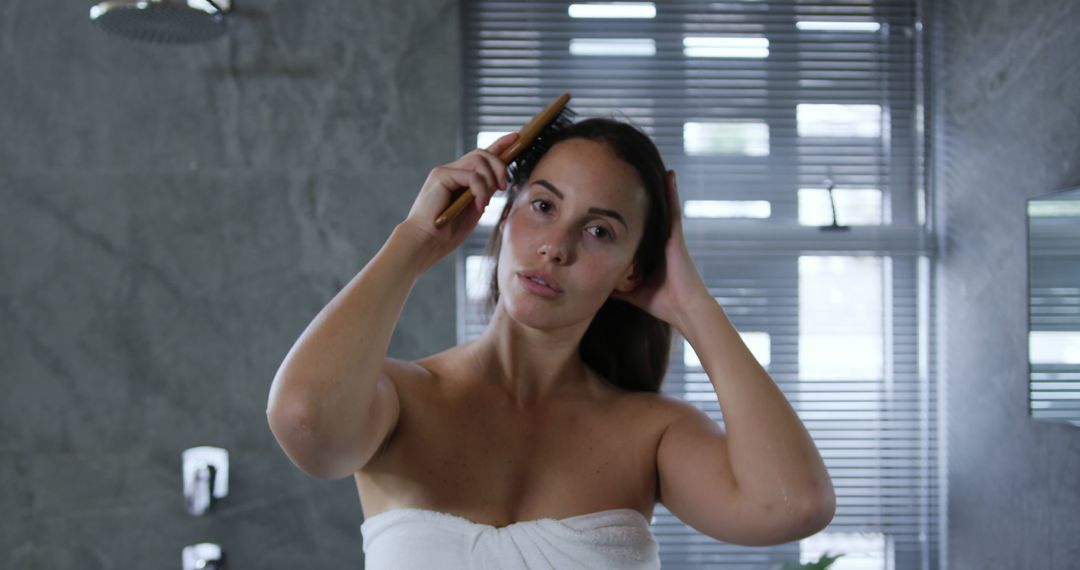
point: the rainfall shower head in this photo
(163, 21)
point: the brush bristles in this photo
(541, 145)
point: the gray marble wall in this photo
(171, 218)
(1011, 110)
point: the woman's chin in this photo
(533, 316)
(545, 316)
(536, 313)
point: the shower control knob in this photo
(203, 556)
(206, 477)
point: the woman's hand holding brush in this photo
(441, 217)
(481, 172)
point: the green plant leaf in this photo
(822, 563)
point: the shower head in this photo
(163, 21)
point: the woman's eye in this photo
(600, 232)
(541, 205)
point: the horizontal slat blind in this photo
(1054, 311)
(760, 107)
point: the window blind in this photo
(796, 131)
(1054, 308)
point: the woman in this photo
(545, 442)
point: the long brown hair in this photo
(624, 344)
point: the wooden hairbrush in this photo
(552, 118)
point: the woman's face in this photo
(571, 234)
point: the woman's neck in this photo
(532, 366)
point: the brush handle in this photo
(526, 136)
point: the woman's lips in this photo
(538, 288)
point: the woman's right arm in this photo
(332, 403)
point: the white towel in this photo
(421, 539)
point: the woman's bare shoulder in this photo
(424, 370)
(663, 409)
(399, 369)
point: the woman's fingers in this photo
(453, 179)
(494, 172)
(673, 198)
(482, 166)
(491, 154)
(480, 171)
(486, 162)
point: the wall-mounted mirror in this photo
(1054, 306)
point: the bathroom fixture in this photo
(206, 477)
(163, 21)
(203, 556)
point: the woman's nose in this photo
(555, 251)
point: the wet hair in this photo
(624, 344)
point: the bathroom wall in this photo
(1011, 131)
(171, 218)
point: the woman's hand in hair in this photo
(682, 283)
(482, 173)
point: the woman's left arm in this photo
(762, 482)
